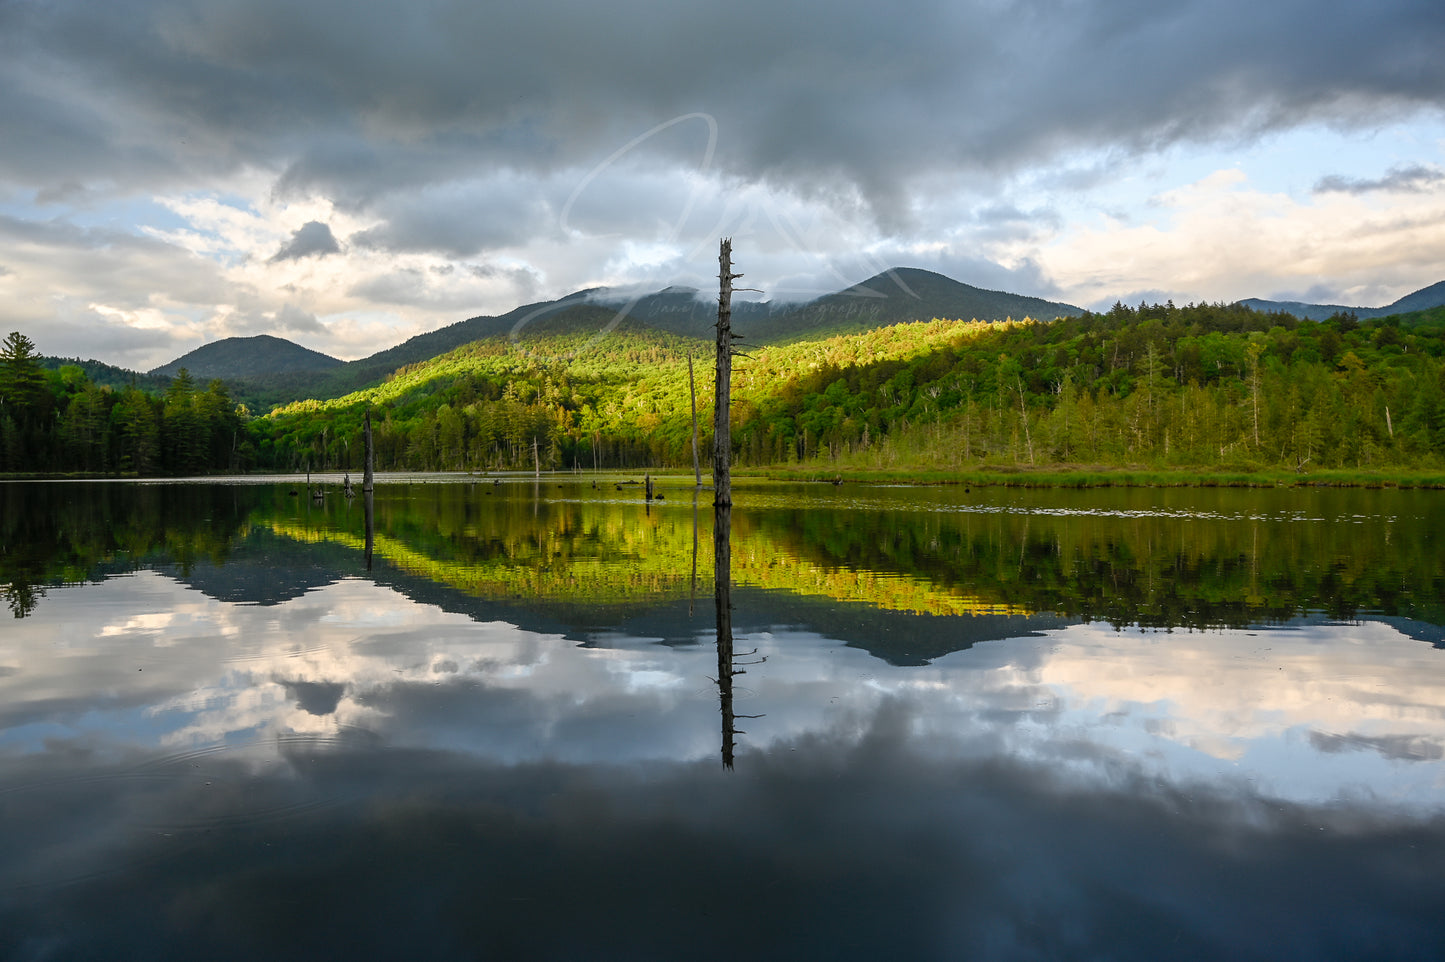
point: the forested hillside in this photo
(1204, 385)
(1210, 386)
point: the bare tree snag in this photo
(692, 390)
(367, 466)
(722, 402)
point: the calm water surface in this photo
(984, 724)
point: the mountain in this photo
(900, 295)
(343, 378)
(686, 310)
(895, 296)
(243, 357)
(1423, 299)
(424, 347)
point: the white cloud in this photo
(1219, 239)
(535, 151)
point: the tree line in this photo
(60, 422)
(1208, 385)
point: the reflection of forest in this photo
(573, 545)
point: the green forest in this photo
(1207, 386)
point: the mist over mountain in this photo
(895, 296)
(267, 369)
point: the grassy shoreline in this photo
(1095, 476)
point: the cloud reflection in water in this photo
(353, 771)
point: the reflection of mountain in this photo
(263, 568)
(1419, 630)
(906, 576)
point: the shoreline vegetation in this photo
(1201, 395)
(982, 476)
(1097, 476)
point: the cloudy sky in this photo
(349, 174)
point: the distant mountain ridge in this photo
(243, 357)
(276, 370)
(895, 296)
(904, 294)
(1423, 299)
(898, 295)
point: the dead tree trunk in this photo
(722, 402)
(367, 467)
(692, 390)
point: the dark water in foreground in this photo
(989, 724)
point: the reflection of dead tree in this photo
(692, 590)
(369, 498)
(728, 666)
(722, 595)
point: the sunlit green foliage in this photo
(1222, 387)
(1216, 387)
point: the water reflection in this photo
(1085, 556)
(722, 597)
(729, 664)
(220, 728)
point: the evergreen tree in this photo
(24, 391)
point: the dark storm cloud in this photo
(456, 221)
(1415, 178)
(312, 239)
(360, 102)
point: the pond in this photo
(502, 718)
